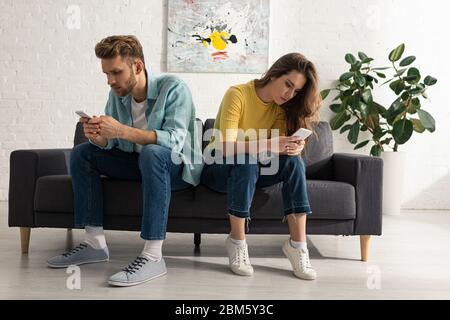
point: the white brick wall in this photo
(48, 68)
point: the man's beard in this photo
(131, 82)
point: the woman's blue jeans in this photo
(239, 181)
(153, 167)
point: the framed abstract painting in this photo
(218, 36)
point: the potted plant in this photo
(357, 111)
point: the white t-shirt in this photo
(139, 120)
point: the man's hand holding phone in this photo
(91, 128)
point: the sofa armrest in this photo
(26, 166)
(365, 173)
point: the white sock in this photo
(153, 249)
(299, 245)
(95, 237)
(240, 243)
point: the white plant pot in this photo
(393, 181)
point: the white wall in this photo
(48, 68)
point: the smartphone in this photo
(83, 114)
(302, 133)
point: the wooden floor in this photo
(410, 261)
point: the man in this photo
(148, 129)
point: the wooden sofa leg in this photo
(69, 235)
(365, 244)
(197, 239)
(25, 239)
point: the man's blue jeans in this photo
(153, 167)
(239, 181)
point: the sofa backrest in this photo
(318, 151)
(317, 155)
(79, 135)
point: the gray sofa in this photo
(345, 193)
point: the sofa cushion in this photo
(121, 197)
(328, 200)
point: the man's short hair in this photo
(124, 46)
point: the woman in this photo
(286, 98)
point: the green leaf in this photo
(344, 102)
(353, 133)
(413, 106)
(418, 126)
(356, 66)
(361, 145)
(364, 109)
(394, 110)
(429, 80)
(368, 60)
(367, 96)
(427, 120)
(338, 120)
(346, 84)
(350, 58)
(397, 86)
(362, 55)
(375, 150)
(353, 101)
(369, 78)
(417, 90)
(402, 131)
(380, 69)
(345, 128)
(381, 75)
(407, 61)
(378, 133)
(324, 93)
(400, 72)
(379, 108)
(398, 118)
(346, 94)
(336, 108)
(405, 96)
(346, 76)
(360, 80)
(413, 76)
(397, 53)
(409, 78)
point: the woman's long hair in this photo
(302, 109)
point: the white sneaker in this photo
(300, 262)
(238, 258)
